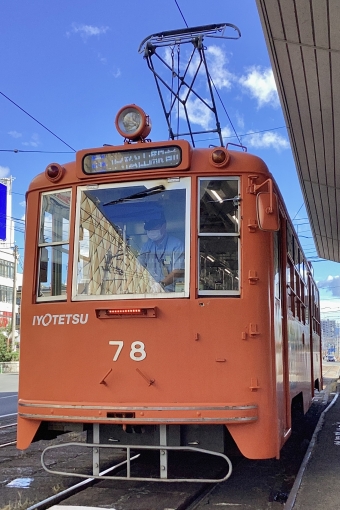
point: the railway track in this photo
(190, 501)
(8, 434)
(254, 484)
(93, 491)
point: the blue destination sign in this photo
(130, 160)
(3, 211)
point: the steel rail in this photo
(6, 426)
(7, 444)
(74, 489)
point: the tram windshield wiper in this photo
(140, 194)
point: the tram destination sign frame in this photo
(146, 158)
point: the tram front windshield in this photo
(133, 240)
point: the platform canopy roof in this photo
(303, 39)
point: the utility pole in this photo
(14, 301)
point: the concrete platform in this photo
(317, 484)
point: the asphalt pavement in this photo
(8, 394)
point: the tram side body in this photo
(226, 361)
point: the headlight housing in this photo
(132, 123)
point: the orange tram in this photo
(166, 304)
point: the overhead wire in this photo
(181, 13)
(43, 152)
(298, 211)
(225, 110)
(243, 134)
(36, 120)
(7, 216)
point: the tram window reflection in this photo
(219, 236)
(122, 252)
(218, 264)
(53, 245)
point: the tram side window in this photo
(218, 236)
(297, 295)
(290, 241)
(297, 292)
(307, 301)
(53, 245)
(277, 265)
(316, 311)
(290, 276)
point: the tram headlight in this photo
(54, 172)
(133, 123)
(220, 157)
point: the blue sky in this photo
(73, 64)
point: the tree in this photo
(6, 354)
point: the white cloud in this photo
(86, 31)
(167, 55)
(34, 141)
(14, 134)
(240, 120)
(4, 171)
(268, 140)
(219, 73)
(216, 62)
(102, 59)
(198, 113)
(260, 84)
(116, 73)
(330, 284)
(226, 133)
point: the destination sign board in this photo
(134, 159)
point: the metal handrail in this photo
(128, 449)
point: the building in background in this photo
(8, 255)
(330, 337)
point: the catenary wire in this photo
(181, 13)
(225, 110)
(43, 152)
(42, 125)
(201, 140)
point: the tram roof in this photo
(303, 41)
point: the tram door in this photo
(281, 328)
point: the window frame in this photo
(52, 244)
(177, 183)
(218, 293)
(6, 269)
(6, 294)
